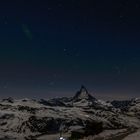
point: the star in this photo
(64, 49)
(66, 52)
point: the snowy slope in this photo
(134, 136)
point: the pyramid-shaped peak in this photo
(83, 94)
(83, 91)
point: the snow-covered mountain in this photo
(80, 115)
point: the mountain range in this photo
(79, 117)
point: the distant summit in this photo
(8, 100)
(83, 94)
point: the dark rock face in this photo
(83, 94)
(123, 105)
(7, 116)
(52, 102)
(77, 134)
(28, 109)
(44, 102)
(4, 107)
(9, 100)
(91, 128)
(50, 125)
(44, 125)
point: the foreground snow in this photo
(118, 134)
(134, 136)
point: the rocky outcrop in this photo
(83, 94)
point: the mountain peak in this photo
(82, 94)
(8, 100)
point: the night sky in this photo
(49, 48)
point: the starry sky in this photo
(48, 48)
